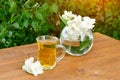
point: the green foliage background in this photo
(21, 21)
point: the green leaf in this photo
(10, 33)
(35, 26)
(116, 34)
(64, 21)
(3, 32)
(26, 14)
(39, 15)
(44, 7)
(16, 25)
(44, 10)
(13, 6)
(54, 8)
(2, 14)
(14, 17)
(25, 23)
(3, 40)
(85, 43)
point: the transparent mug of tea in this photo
(49, 51)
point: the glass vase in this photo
(76, 47)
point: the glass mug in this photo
(48, 49)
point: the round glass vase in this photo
(76, 47)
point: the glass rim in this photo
(47, 37)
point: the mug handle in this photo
(60, 51)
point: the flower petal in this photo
(30, 60)
(31, 67)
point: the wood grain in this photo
(101, 63)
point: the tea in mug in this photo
(47, 53)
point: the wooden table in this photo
(101, 63)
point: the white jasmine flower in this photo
(27, 68)
(31, 67)
(88, 22)
(36, 68)
(77, 26)
(68, 15)
(29, 60)
(71, 31)
(75, 21)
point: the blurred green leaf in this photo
(26, 14)
(25, 23)
(116, 34)
(38, 15)
(12, 5)
(3, 33)
(13, 17)
(10, 33)
(16, 25)
(54, 8)
(3, 40)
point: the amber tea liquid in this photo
(47, 53)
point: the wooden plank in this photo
(101, 63)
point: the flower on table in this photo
(32, 67)
(78, 26)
